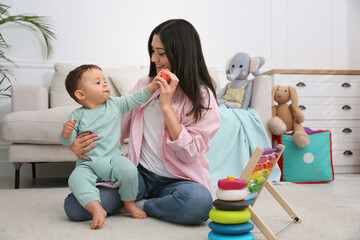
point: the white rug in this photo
(38, 214)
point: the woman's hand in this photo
(165, 99)
(83, 143)
(167, 90)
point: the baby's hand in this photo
(155, 84)
(68, 128)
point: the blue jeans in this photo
(172, 200)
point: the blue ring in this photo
(216, 236)
(231, 228)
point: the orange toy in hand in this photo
(164, 75)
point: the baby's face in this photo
(94, 87)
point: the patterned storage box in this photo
(311, 164)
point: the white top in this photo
(150, 156)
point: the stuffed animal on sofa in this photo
(288, 117)
(237, 93)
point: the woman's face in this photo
(158, 55)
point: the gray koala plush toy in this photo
(237, 93)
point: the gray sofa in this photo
(38, 114)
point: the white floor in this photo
(344, 184)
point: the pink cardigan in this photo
(184, 157)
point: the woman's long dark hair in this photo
(183, 50)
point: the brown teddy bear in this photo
(288, 117)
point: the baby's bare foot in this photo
(99, 214)
(98, 218)
(134, 210)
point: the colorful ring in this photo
(231, 228)
(230, 205)
(216, 236)
(230, 217)
(231, 195)
(232, 184)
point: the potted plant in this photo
(34, 23)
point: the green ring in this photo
(230, 217)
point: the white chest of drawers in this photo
(330, 100)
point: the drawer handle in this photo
(346, 107)
(348, 153)
(346, 85)
(302, 107)
(300, 84)
(347, 130)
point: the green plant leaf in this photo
(34, 23)
(37, 24)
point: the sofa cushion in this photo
(39, 153)
(124, 81)
(120, 80)
(58, 93)
(215, 77)
(60, 97)
(36, 127)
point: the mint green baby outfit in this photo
(107, 163)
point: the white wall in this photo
(322, 34)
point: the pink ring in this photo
(232, 184)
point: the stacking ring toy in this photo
(231, 195)
(229, 217)
(232, 184)
(230, 205)
(215, 236)
(231, 228)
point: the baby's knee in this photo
(127, 172)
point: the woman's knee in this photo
(74, 210)
(110, 201)
(197, 203)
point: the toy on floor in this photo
(288, 117)
(232, 210)
(237, 93)
(230, 216)
(257, 172)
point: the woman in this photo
(169, 135)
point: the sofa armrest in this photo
(29, 97)
(261, 99)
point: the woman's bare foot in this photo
(134, 210)
(99, 214)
